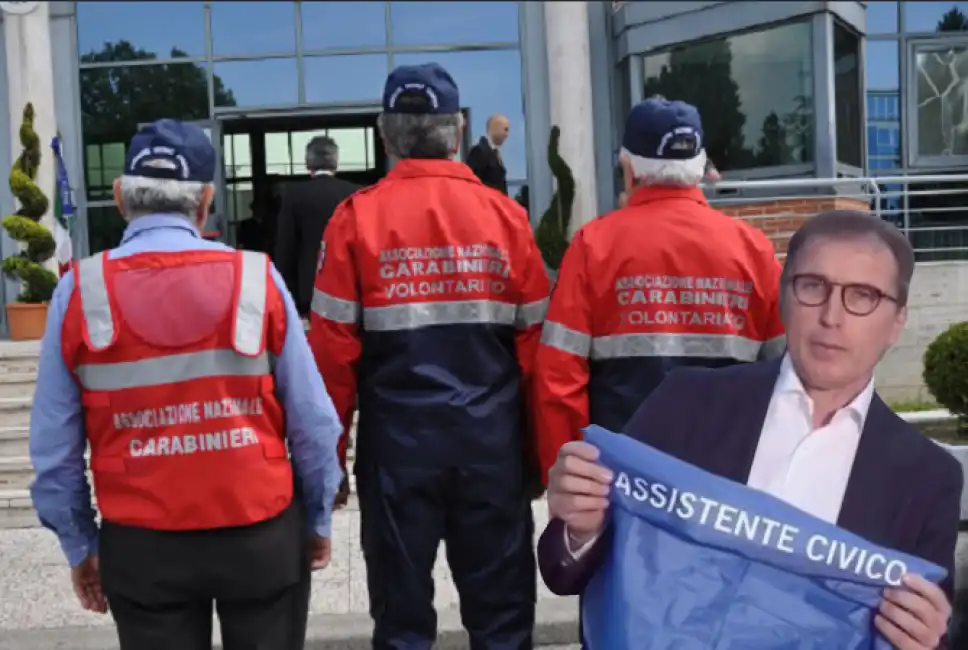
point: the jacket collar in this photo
(651, 193)
(417, 168)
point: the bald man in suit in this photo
(485, 159)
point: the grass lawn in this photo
(944, 432)
(910, 407)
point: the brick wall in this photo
(780, 219)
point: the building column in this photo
(570, 84)
(30, 78)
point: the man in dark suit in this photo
(485, 159)
(305, 211)
(809, 429)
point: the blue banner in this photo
(698, 561)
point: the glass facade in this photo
(755, 92)
(916, 67)
(211, 62)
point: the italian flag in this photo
(64, 248)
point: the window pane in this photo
(434, 23)
(328, 25)
(935, 16)
(355, 149)
(489, 82)
(881, 17)
(153, 30)
(848, 109)
(268, 82)
(237, 151)
(253, 27)
(942, 101)
(278, 155)
(755, 98)
(356, 77)
(114, 101)
(105, 225)
(882, 65)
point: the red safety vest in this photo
(173, 353)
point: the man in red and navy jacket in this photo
(427, 311)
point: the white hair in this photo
(143, 196)
(677, 173)
(433, 136)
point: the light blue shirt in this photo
(60, 491)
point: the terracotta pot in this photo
(27, 320)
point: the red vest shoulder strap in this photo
(98, 327)
(251, 313)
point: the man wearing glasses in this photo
(808, 429)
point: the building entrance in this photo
(262, 155)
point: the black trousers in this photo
(161, 585)
(483, 516)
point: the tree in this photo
(117, 98)
(772, 147)
(701, 74)
(953, 21)
(36, 282)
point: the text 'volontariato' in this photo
(758, 529)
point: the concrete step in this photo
(16, 510)
(14, 441)
(17, 384)
(16, 473)
(15, 411)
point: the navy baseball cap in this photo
(169, 149)
(421, 89)
(661, 129)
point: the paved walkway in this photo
(35, 589)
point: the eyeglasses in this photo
(812, 290)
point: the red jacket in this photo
(427, 312)
(665, 281)
(173, 355)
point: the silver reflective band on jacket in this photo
(425, 314)
(623, 346)
(245, 359)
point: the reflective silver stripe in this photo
(556, 335)
(335, 309)
(426, 314)
(715, 346)
(531, 313)
(172, 369)
(774, 348)
(250, 316)
(95, 304)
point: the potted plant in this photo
(28, 316)
(552, 231)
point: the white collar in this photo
(789, 383)
(491, 142)
(321, 172)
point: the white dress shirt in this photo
(806, 467)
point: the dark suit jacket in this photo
(306, 209)
(904, 491)
(483, 161)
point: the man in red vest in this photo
(183, 366)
